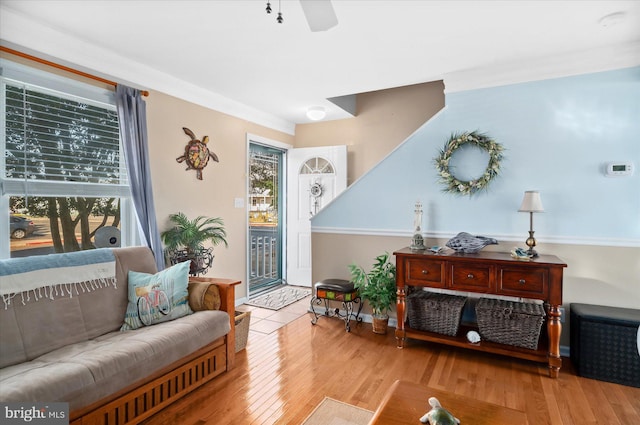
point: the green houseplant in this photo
(185, 240)
(378, 288)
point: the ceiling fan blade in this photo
(320, 14)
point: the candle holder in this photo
(417, 241)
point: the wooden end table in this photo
(406, 402)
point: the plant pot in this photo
(201, 260)
(380, 323)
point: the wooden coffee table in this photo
(406, 402)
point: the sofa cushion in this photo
(38, 380)
(30, 328)
(157, 298)
(87, 371)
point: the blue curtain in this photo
(132, 119)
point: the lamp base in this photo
(531, 242)
(417, 243)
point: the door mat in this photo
(334, 412)
(279, 298)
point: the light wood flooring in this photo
(288, 369)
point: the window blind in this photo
(60, 139)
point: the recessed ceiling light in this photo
(612, 19)
(316, 113)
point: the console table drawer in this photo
(423, 272)
(529, 282)
(471, 277)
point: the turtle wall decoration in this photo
(196, 153)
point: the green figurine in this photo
(438, 415)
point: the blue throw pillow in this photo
(156, 298)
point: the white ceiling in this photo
(233, 57)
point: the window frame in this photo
(52, 84)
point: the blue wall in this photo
(558, 135)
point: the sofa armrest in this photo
(228, 304)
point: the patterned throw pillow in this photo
(156, 298)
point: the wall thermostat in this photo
(619, 169)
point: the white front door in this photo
(315, 177)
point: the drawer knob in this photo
(522, 281)
(425, 271)
(469, 276)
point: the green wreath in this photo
(457, 186)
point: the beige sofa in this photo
(70, 348)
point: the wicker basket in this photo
(439, 313)
(509, 322)
(242, 329)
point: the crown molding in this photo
(24, 34)
(544, 68)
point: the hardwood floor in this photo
(283, 375)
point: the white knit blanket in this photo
(47, 276)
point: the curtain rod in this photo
(64, 68)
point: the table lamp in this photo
(531, 203)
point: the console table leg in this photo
(400, 308)
(554, 329)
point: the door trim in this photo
(259, 140)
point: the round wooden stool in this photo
(337, 290)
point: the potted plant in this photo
(378, 288)
(184, 241)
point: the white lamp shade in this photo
(531, 202)
(316, 113)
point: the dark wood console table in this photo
(486, 273)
